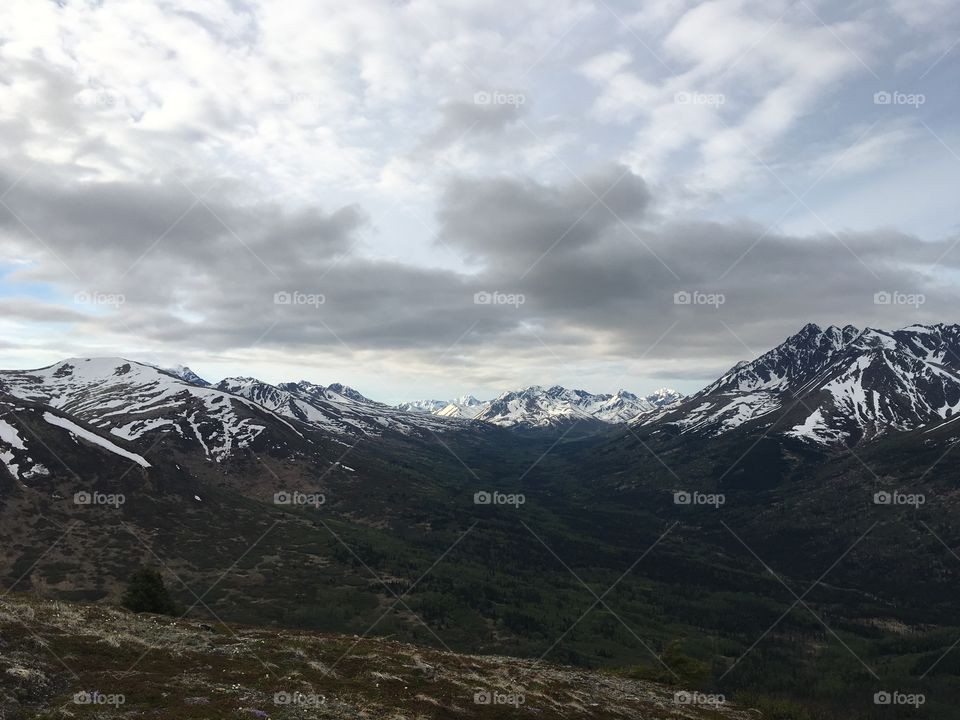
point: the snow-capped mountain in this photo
(337, 408)
(466, 406)
(838, 385)
(663, 397)
(335, 393)
(137, 403)
(130, 401)
(545, 407)
(185, 373)
(422, 406)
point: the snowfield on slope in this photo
(90, 437)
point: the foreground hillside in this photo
(60, 660)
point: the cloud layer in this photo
(421, 198)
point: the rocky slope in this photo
(85, 661)
(135, 402)
(834, 386)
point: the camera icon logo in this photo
(882, 698)
(282, 498)
(882, 498)
(882, 98)
(483, 697)
(482, 498)
(282, 298)
(682, 298)
(682, 497)
(82, 498)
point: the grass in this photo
(162, 667)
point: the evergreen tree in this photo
(147, 593)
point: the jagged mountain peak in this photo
(241, 380)
(423, 406)
(140, 403)
(185, 373)
(664, 396)
(541, 406)
(838, 385)
(465, 406)
(348, 392)
(538, 407)
(334, 392)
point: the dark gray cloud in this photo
(512, 223)
(598, 279)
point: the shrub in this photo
(146, 593)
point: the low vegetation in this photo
(66, 660)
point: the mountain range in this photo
(537, 406)
(108, 464)
(820, 386)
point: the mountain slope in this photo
(146, 405)
(164, 668)
(137, 402)
(398, 503)
(838, 385)
(336, 408)
(37, 441)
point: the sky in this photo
(427, 199)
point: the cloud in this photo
(120, 231)
(597, 280)
(38, 312)
(483, 117)
(198, 159)
(511, 224)
(730, 80)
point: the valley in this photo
(701, 546)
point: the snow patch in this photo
(75, 429)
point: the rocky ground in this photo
(66, 660)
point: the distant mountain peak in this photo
(422, 406)
(538, 407)
(185, 373)
(348, 392)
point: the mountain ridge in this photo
(833, 386)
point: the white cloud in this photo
(303, 104)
